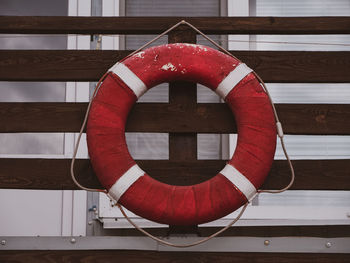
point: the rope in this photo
(278, 123)
(76, 147)
(154, 39)
(279, 131)
(183, 245)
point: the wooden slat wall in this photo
(320, 231)
(54, 173)
(311, 119)
(156, 25)
(82, 65)
(89, 65)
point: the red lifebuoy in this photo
(181, 205)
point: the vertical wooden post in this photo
(183, 146)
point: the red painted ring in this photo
(181, 205)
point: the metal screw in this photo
(73, 240)
(90, 223)
(3, 242)
(93, 208)
(267, 242)
(328, 244)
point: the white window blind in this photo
(302, 7)
(32, 143)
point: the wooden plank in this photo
(322, 231)
(325, 231)
(316, 119)
(53, 174)
(183, 146)
(156, 25)
(89, 65)
(92, 256)
(56, 65)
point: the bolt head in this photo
(3, 242)
(267, 242)
(73, 240)
(328, 244)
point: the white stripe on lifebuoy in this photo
(239, 180)
(125, 181)
(129, 78)
(232, 79)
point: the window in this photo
(31, 212)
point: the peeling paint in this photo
(140, 54)
(186, 44)
(169, 66)
(202, 47)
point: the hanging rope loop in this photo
(279, 131)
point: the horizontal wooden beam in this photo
(53, 174)
(90, 256)
(321, 231)
(310, 119)
(89, 65)
(156, 25)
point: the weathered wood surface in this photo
(317, 119)
(54, 174)
(82, 65)
(156, 25)
(90, 65)
(325, 231)
(182, 146)
(109, 256)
